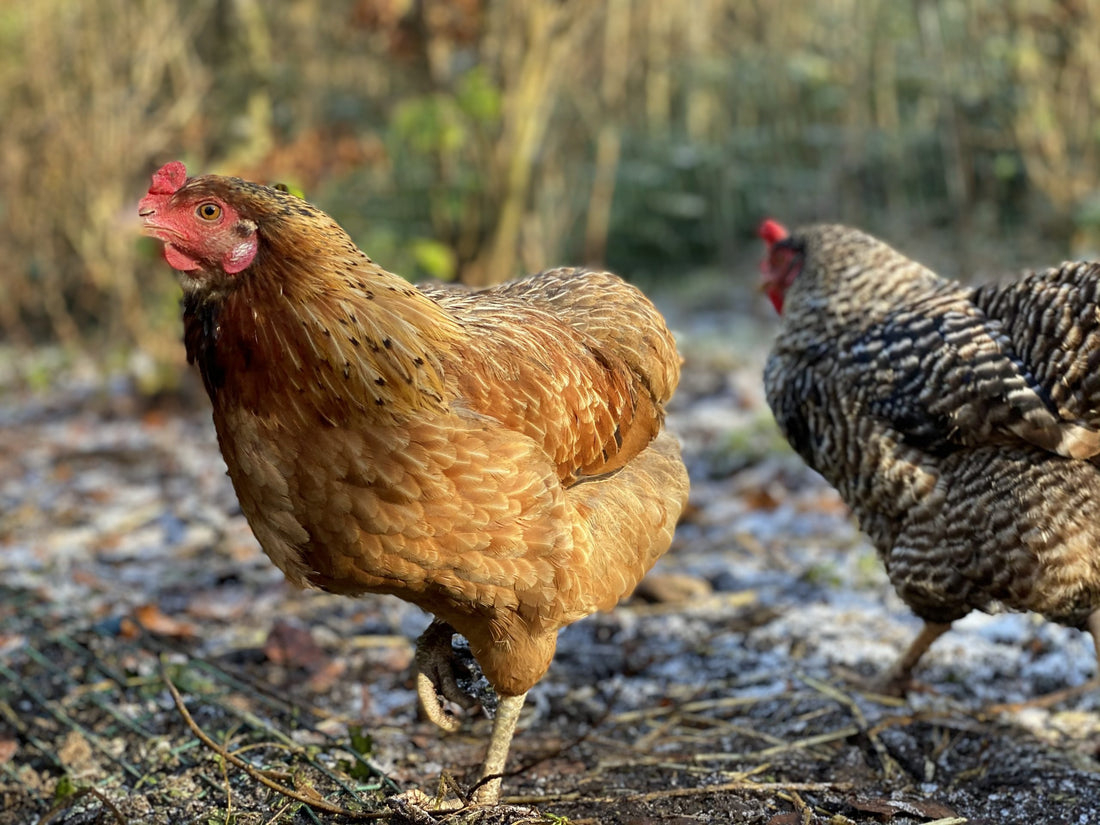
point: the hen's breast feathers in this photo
(440, 458)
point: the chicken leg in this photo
(897, 680)
(435, 662)
(487, 791)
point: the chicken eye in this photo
(209, 211)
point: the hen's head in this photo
(203, 226)
(782, 263)
(833, 265)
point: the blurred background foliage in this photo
(477, 139)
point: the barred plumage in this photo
(959, 424)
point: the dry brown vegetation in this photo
(478, 139)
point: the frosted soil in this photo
(733, 689)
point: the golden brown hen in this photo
(495, 457)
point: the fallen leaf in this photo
(293, 646)
(672, 588)
(890, 807)
(226, 604)
(154, 419)
(75, 753)
(150, 617)
(761, 499)
(88, 579)
(323, 680)
(883, 807)
(927, 808)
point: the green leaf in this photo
(362, 743)
(435, 258)
(65, 789)
(478, 97)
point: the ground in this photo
(733, 690)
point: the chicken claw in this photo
(433, 651)
(435, 662)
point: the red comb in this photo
(168, 179)
(772, 231)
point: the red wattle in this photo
(179, 260)
(776, 297)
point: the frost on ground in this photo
(125, 560)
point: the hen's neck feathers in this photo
(317, 316)
(852, 278)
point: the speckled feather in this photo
(958, 424)
(494, 457)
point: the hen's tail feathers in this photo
(614, 314)
(625, 522)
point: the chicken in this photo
(496, 458)
(961, 425)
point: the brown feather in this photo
(495, 457)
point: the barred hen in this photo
(496, 458)
(961, 425)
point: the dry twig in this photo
(889, 766)
(802, 810)
(67, 803)
(742, 783)
(314, 800)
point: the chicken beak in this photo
(149, 226)
(148, 212)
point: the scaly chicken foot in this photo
(418, 807)
(899, 679)
(435, 662)
(487, 791)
